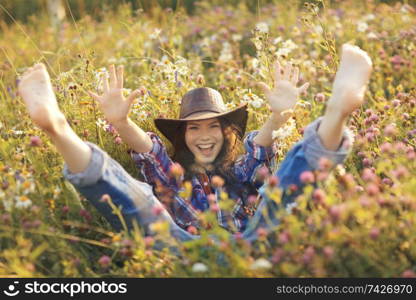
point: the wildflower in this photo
(217, 181)
(273, 181)
(176, 170)
(336, 211)
(236, 37)
(386, 147)
(319, 196)
(102, 124)
(367, 162)
(362, 26)
(390, 130)
(308, 255)
(286, 48)
(118, 140)
(23, 202)
(278, 255)
(253, 99)
(104, 261)
(192, 230)
(261, 233)
(284, 237)
(320, 97)
(400, 172)
(408, 274)
(149, 241)
(199, 268)
(285, 131)
(290, 207)
(105, 198)
(35, 141)
(328, 252)
(211, 198)
(374, 233)
(307, 177)
(263, 173)
(262, 27)
(155, 34)
(368, 175)
(225, 54)
(157, 210)
(261, 264)
(214, 207)
(65, 209)
(252, 199)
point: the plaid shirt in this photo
(155, 166)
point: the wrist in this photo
(120, 122)
(280, 116)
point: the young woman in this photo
(205, 138)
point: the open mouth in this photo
(206, 149)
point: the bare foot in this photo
(351, 80)
(36, 90)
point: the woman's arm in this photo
(282, 98)
(133, 136)
(264, 137)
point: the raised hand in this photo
(285, 94)
(112, 102)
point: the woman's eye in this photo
(216, 125)
(191, 128)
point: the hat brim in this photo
(169, 127)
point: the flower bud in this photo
(217, 181)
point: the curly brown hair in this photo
(231, 149)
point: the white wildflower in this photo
(199, 268)
(177, 40)
(372, 36)
(290, 207)
(205, 42)
(253, 99)
(141, 115)
(277, 40)
(102, 124)
(236, 37)
(229, 105)
(126, 91)
(261, 264)
(253, 63)
(285, 131)
(26, 186)
(362, 26)
(406, 18)
(17, 132)
(286, 48)
(155, 34)
(369, 17)
(225, 54)
(22, 202)
(262, 27)
(318, 29)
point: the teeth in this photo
(205, 146)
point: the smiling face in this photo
(204, 139)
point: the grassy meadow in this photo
(360, 222)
